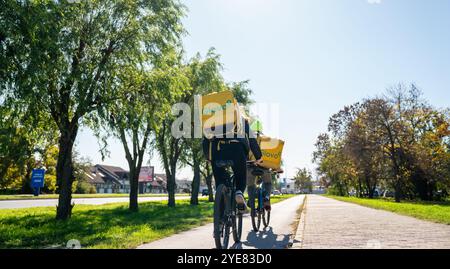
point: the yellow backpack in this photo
(271, 149)
(220, 110)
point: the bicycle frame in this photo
(260, 189)
(258, 211)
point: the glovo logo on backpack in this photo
(271, 149)
(271, 155)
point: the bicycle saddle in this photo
(223, 163)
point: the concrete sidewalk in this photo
(328, 223)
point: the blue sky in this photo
(312, 57)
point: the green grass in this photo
(55, 196)
(432, 211)
(105, 226)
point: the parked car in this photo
(387, 194)
(205, 192)
(377, 193)
(440, 195)
(276, 192)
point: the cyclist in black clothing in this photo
(234, 149)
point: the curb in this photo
(297, 238)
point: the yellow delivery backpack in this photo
(271, 149)
(220, 110)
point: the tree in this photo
(170, 149)
(365, 149)
(397, 141)
(20, 139)
(144, 100)
(303, 180)
(63, 58)
(81, 168)
(204, 77)
(206, 171)
(337, 170)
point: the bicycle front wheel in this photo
(266, 218)
(222, 221)
(237, 228)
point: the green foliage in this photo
(80, 184)
(50, 157)
(303, 180)
(83, 187)
(241, 92)
(20, 140)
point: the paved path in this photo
(12, 204)
(328, 223)
(276, 236)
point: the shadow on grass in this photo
(107, 226)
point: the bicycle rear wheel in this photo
(256, 211)
(222, 221)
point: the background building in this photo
(108, 179)
(113, 179)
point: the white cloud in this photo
(374, 2)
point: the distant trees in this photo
(396, 142)
(303, 180)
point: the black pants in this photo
(251, 184)
(226, 152)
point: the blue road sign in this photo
(37, 178)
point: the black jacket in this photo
(249, 143)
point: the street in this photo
(276, 236)
(11, 204)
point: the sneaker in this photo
(240, 201)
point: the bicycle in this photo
(226, 214)
(258, 212)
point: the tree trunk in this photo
(26, 185)
(195, 184)
(64, 173)
(171, 185)
(421, 185)
(210, 188)
(360, 188)
(134, 184)
(370, 189)
(134, 179)
(398, 191)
